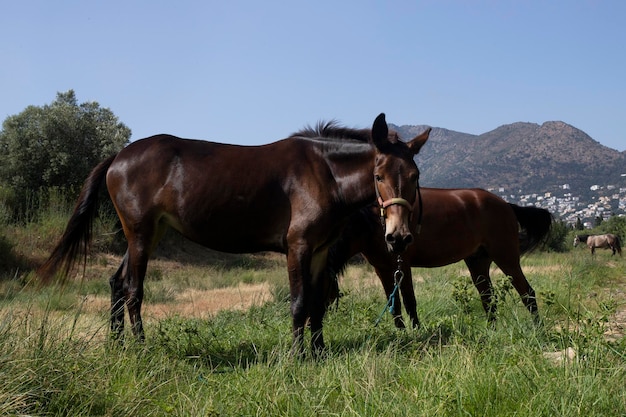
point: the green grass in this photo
(56, 359)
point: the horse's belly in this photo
(433, 255)
(237, 242)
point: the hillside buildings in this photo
(601, 201)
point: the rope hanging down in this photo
(398, 275)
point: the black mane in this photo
(333, 130)
(583, 238)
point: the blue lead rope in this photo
(391, 302)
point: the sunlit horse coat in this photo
(291, 196)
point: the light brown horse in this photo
(456, 224)
(606, 241)
(292, 196)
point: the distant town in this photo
(601, 201)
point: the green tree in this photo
(579, 224)
(55, 146)
(556, 240)
(615, 225)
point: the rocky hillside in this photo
(519, 157)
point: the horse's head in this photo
(580, 239)
(396, 180)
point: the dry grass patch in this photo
(200, 303)
(193, 302)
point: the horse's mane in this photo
(582, 238)
(333, 130)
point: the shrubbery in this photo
(53, 148)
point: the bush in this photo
(557, 238)
(54, 146)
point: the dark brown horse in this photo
(607, 241)
(457, 224)
(292, 196)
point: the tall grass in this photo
(56, 359)
(26, 241)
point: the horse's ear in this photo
(418, 141)
(380, 132)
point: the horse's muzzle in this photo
(398, 242)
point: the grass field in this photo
(218, 340)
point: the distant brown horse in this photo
(607, 241)
(457, 224)
(292, 196)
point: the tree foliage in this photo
(615, 225)
(579, 224)
(56, 146)
(556, 241)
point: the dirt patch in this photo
(200, 303)
(196, 303)
(616, 328)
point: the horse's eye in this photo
(378, 178)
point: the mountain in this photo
(519, 157)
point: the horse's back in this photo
(162, 151)
(229, 197)
(457, 222)
(469, 210)
(162, 169)
(607, 240)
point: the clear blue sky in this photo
(251, 72)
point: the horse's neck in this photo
(354, 176)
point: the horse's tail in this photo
(78, 232)
(535, 223)
(618, 245)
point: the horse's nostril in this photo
(390, 238)
(408, 239)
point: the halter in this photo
(383, 204)
(392, 201)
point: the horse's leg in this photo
(299, 269)
(408, 295)
(520, 283)
(117, 299)
(316, 300)
(141, 242)
(479, 270)
(138, 262)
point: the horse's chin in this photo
(397, 248)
